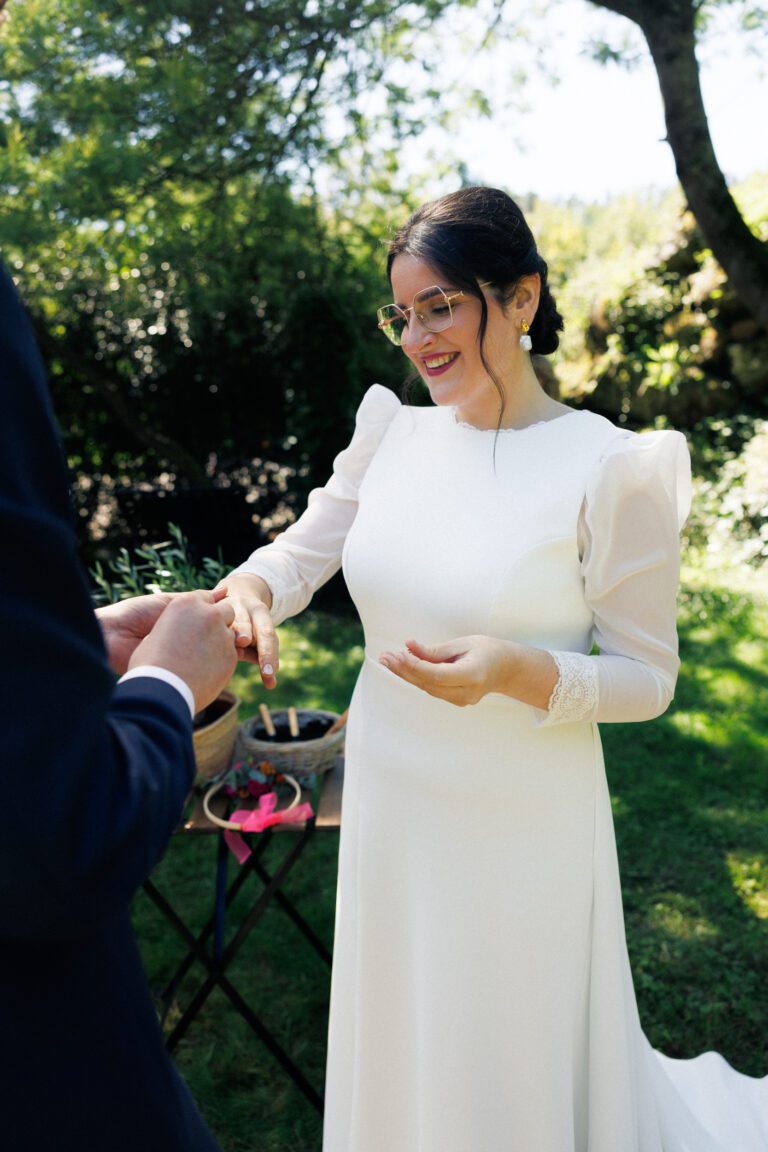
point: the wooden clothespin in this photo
(266, 719)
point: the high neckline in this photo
(526, 428)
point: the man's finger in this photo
(226, 611)
(242, 627)
(203, 594)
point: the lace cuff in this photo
(575, 694)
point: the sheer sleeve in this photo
(308, 553)
(629, 527)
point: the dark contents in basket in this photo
(214, 710)
(309, 729)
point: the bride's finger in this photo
(242, 625)
(421, 673)
(267, 646)
(435, 653)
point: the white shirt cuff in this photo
(168, 677)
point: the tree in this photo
(159, 206)
(670, 29)
(156, 206)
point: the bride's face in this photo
(449, 361)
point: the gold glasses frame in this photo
(387, 319)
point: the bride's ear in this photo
(525, 302)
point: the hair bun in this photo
(547, 322)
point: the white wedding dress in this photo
(482, 999)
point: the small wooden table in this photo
(216, 961)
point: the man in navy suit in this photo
(94, 776)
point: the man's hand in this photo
(192, 638)
(125, 624)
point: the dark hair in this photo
(477, 235)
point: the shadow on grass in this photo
(690, 794)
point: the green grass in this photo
(690, 796)
(244, 1094)
(246, 1097)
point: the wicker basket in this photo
(300, 758)
(214, 743)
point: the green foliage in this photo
(625, 46)
(660, 340)
(593, 251)
(130, 99)
(157, 207)
(194, 200)
(640, 353)
(752, 17)
(674, 344)
(165, 567)
(730, 508)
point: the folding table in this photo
(216, 960)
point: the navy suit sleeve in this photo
(93, 775)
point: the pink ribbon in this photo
(257, 819)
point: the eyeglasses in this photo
(431, 307)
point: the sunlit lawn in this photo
(690, 797)
(691, 807)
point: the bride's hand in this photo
(255, 636)
(461, 671)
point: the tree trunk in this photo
(669, 28)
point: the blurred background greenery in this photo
(194, 200)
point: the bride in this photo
(515, 565)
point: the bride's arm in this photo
(629, 531)
(630, 526)
(278, 580)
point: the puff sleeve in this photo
(308, 553)
(636, 502)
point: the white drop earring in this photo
(525, 341)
